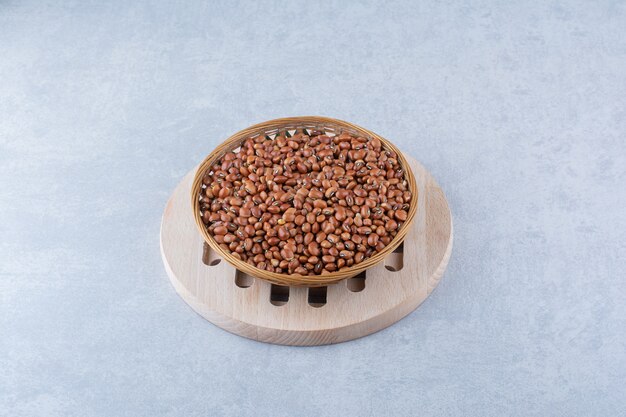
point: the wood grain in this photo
(212, 291)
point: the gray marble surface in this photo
(517, 108)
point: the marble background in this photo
(517, 108)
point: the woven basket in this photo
(287, 126)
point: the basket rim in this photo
(294, 123)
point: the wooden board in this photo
(350, 309)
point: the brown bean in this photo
(302, 169)
(313, 249)
(293, 264)
(249, 229)
(332, 238)
(358, 257)
(286, 204)
(400, 215)
(283, 233)
(220, 230)
(287, 254)
(372, 239)
(224, 192)
(256, 211)
(250, 187)
(346, 254)
(340, 213)
(315, 194)
(391, 225)
(342, 193)
(320, 204)
(289, 216)
(327, 227)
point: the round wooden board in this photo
(350, 309)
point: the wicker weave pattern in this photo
(271, 129)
